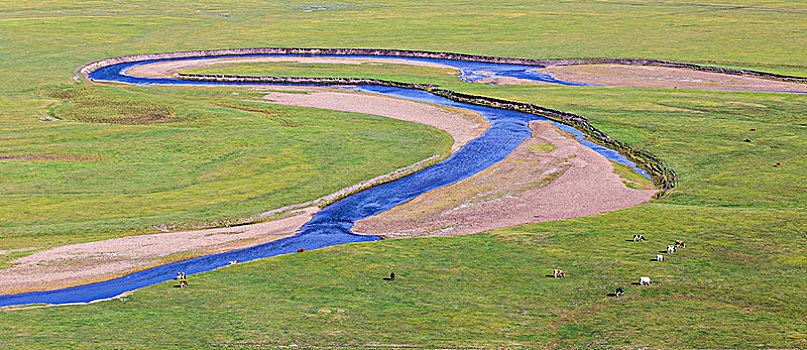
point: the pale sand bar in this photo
(530, 185)
(663, 77)
(97, 261)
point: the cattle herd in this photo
(643, 281)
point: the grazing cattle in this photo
(777, 165)
(180, 275)
(680, 244)
(644, 281)
(659, 257)
(233, 262)
(559, 274)
(300, 250)
(391, 277)
(619, 292)
(638, 238)
(747, 140)
(183, 284)
(671, 249)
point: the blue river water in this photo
(331, 226)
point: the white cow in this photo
(670, 249)
(644, 281)
(559, 274)
(659, 257)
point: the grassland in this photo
(739, 284)
(735, 286)
(133, 157)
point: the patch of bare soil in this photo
(462, 125)
(510, 81)
(549, 177)
(663, 77)
(171, 68)
(490, 79)
(97, 261)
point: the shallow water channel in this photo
(331, 226)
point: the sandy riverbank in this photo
(461, 125)
(549, 177)
(97, 261)
(510, 81)
(170, 69)
(663, 77)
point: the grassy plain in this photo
(148, 156)
(739, 284)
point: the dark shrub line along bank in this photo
(223, 78)
(665, 178)
(430, 54)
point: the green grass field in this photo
(120, 169)
(134, 157)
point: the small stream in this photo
(331, 226)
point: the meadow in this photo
(128, 158)
(738, 284)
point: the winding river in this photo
(332, 225)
